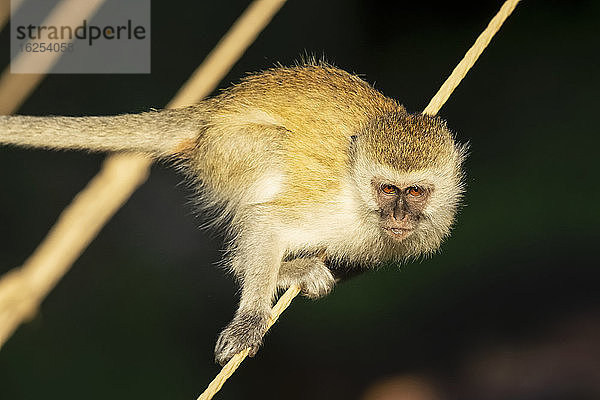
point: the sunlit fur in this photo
(323, 135)
(288, 157)
(286, 161)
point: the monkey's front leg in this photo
(257, 263)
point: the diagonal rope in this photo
(229, 368)
(15, 88)
(17, 294)
(23, 289)
(469, 59)
(137, 166)
(432, 108)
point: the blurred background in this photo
(509, 309)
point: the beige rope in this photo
(6, 8)
(15, 88)
(469, 58)
(434, 106)
(4, 13)
(23, 289)
(229, 49)
(229, 368)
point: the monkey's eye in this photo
(415, 191)
(389, 189)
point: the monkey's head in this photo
(411, 167)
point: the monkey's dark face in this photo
(400, 207)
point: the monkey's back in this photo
(289, 129)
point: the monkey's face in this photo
(413, 210)
(407, 172)
(400, 206)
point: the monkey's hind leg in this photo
(310, 273)
(256, 262)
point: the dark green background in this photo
(138, 315)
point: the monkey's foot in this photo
(244, 331)
(311, 274)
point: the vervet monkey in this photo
(310, 169)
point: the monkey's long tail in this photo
(161, 134)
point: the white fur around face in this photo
(348, 227)
(342, 226)
(445, 182)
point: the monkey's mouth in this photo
(398, 233)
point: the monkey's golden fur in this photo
(294, 114)
(301, 121)
(294, 159)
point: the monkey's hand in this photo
(244, 331)
(311, 274)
